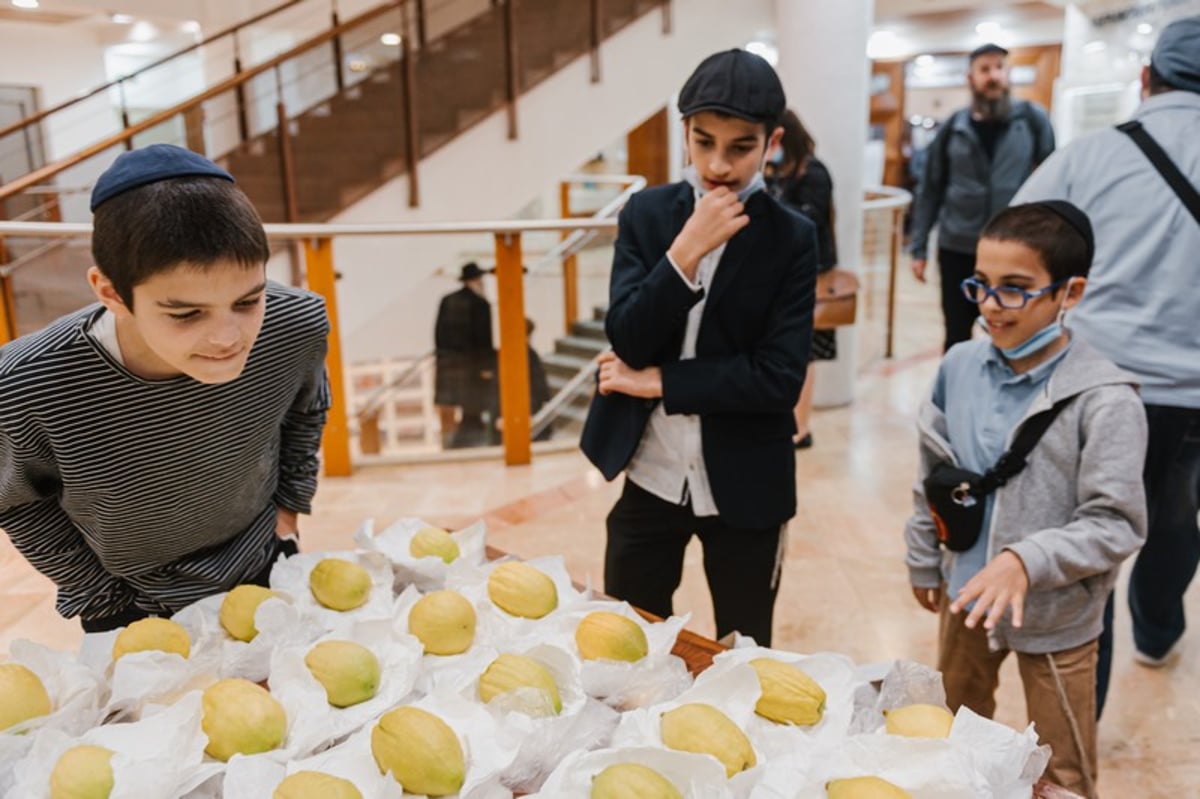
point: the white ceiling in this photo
(889, 9)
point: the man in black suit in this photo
(465, 360)
(710, 319)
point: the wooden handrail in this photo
(233, 29)
(50, 170)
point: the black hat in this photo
(138, 168)
(734, 82)
(985, 49)
(1176, 57)
(471, 271)
(1076, 218)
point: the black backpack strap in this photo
(1013, 461)
(1165, 166)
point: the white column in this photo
(825, 72)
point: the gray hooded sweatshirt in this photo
(1072, 515)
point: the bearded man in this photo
(979, 158)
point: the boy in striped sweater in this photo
(157, 446)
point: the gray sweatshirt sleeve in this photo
(924, 556)
(1109, 523)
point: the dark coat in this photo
(462, 337)
(751, 352)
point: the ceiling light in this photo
(391, 39)
(989, 29)
(121, 19)
(192, 27)
(1145, 29)
(143, 31)
(25, 3)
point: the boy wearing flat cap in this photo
(1138, 183)
(710, 319)
(156, 447)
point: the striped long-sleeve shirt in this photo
(156, 493)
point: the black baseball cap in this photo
(985, 49)
(734, 82)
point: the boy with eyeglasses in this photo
(1053, 537)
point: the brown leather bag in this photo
(837, 299)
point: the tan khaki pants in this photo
(971, 673)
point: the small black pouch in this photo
(956, 508)
(957, 497)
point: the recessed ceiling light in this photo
(192, 27)
(25, 3)
(989, 28)
(121, 19)
(390, 39)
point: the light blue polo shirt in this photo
(983, 401)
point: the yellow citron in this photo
(521, 590)
(703, 729)
(789, 696)
(152, 635)
(238, 609)
(315, 785)
(22, 695)
(241, 718)
(632, 781)
(512, 672)
(919, 721)
(348, 672)
(444, 622)
(83, 772)
(339, 584)
(864, 788)
(610, 636)
(436, 542)
(420, 750)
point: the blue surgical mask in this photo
(757, 183)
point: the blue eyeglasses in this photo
(1010, 297)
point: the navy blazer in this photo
(751, 352)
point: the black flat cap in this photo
(734, 82)
(138, 168)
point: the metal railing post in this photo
(514, 350)
(335, 441)
(893, 264)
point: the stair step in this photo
(590, 328)
(563, 364)
(580, 347)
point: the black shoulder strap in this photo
(1013, 461)
(1162, 162)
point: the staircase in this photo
(353, 143)
(571, 354)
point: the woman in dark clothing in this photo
(803, 183)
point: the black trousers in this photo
(643, 563)
(957, 311)
(130, 615)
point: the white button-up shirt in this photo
(669, 463)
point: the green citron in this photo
(864, 788)
(315, 785)
(510, 672)
(420, 750)
(83, 772)
(789, 696)
(22, 695)
(152, 635)
(632, 781)
(919, 721)
(436, 542)
(339, 584)
(521, 590)
(444, 622)
(348, 672)
(609, 636)
(703, 729)
(241, 718)
(238, 609)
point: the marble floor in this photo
(844, 589)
